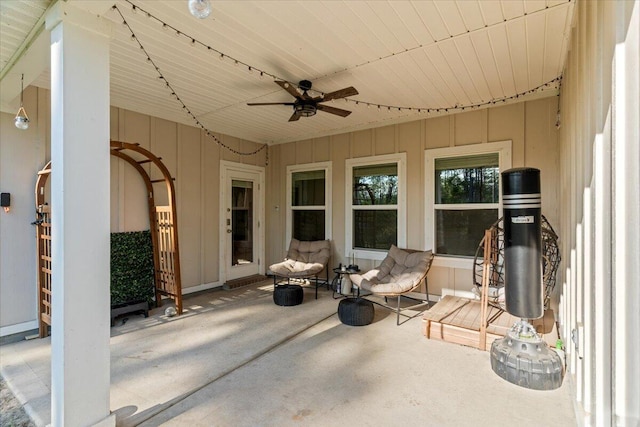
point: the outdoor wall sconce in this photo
(22, 120)
(5, 201)
(200, 8)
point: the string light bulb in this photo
(22, 120)
(201, 9)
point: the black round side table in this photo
(288, 295)
(355, 311)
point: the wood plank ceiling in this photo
(419, 54)
(17, 19)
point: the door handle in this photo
(229, 231)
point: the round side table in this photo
(355, 311)
(337, 283)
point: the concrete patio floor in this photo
(236, 359)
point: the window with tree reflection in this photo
(467, 194)
(375, 206)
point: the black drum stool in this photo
(288, 295)
(355, 311)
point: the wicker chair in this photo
(305, 259)
(399, 275)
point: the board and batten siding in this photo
(22, 155)
(193, 159)
(529, 125)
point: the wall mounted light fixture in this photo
(22, 120)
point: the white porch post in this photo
(80, 357)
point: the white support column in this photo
(626, 204)
(80, 356)
(602, 210)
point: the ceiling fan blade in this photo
(342, 93)
(333, 110)
(294, 117)
(289, 88)
(269, 103)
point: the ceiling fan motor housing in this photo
(305, 85)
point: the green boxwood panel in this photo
(131, 267)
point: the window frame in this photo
(309, 167)
(400, 159)
(504, 151)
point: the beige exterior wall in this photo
(22, 154)
(193, 159)
(529, 125)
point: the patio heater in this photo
(522, 357)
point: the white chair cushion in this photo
(304, 259)
(400, 272)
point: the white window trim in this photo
(401, 160)
(503, 148)
(307, 167)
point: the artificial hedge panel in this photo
(131, 267)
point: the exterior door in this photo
(242, 216)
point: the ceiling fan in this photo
(306, 105)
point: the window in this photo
(375, 205)
(308, 202)
(463, 195)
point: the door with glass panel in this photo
(242, 219)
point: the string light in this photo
(551, 83)
(174, 94)
(262, 73)
(558, 121)
(428, 110)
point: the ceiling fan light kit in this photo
(305, 105)
(305, 110)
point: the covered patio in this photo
(234, 359)
(374, 122)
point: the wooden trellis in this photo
(162, 220)
(43, 234)
(164, 233)
(167, 253)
